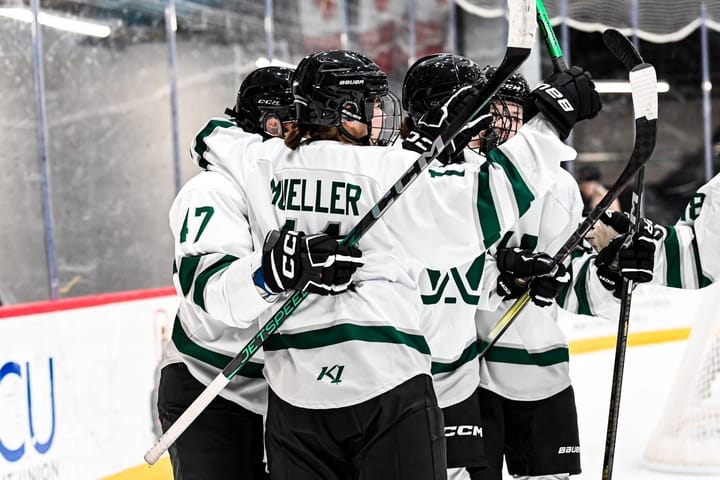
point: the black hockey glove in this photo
(518, 267)
(436, 120)
(634, 261)
(565, 98)
(311, 263)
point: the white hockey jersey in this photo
(688, 254)
(450, 299)
(217, 313)
(530, 360)
(341, 350)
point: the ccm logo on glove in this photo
(289, 246)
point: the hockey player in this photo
(453, 297)
(350, 391)
(687, 252)
(527, 400)
(214, 261)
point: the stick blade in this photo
(521, 23)
(622, 48)
(643, 84)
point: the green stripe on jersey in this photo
(205, 276)
(186, 346)
(186, 273)
(703, 281)
(200, 146)
(581, 289)
(561, 297)
(523, 195)
(520, 356)
(345, 333)
(468, 355)
(487, 211)
(672, 258)
(446, 173)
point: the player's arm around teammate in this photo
(218, 273)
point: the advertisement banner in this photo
(77, 388)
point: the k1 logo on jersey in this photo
(16, 383)
(332, 373)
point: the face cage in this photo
(272, 124)
(506, 123)
(385, 114)
(276, 122)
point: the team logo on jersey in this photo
(467, 284)
(333, 373)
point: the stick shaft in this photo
(546, 29)
(621, 344)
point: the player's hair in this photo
(297, 133)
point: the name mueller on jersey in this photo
(303, 195)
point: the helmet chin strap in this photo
(364, 140)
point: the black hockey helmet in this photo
(336, 86)
(265, 104)
(431, 80)
(515, 89)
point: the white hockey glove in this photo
(518, 267)
(311, 263)
(436, 121)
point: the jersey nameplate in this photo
(304, 195)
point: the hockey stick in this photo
(644, 93)
(626, 52)
(551, 41)
(521, 36)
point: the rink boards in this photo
(77, 377)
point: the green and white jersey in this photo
(214, 261)
(688, 254)
(530, 360)
(450, 299)
(585, 295)
(341, 350)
